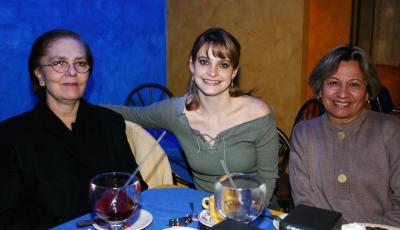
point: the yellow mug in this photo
(209, 203)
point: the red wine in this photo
(119, 210)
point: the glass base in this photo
(116, 225)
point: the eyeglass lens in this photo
(62, 67)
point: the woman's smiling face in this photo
(344, 93)
(213, 75)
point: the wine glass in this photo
(241, 199)
(111, 200)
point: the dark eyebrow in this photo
(203, 57)
(356, 80)
(80, 58)
(57, 57)
(226, 60)
(64, 58)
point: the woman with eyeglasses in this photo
(217, 120)
(49, 154)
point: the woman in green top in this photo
(216, 120)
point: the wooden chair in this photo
(146, 94)
(156, 169)
(282, 188)
(383, 102)
(310, 109)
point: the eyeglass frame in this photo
(69, 66)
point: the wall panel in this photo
(328, 26)
(127, 40)
(271, 35)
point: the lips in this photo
(211, 82)
(70, 84)
(341, 104)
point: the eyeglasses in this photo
(62, 66)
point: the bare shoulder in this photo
(255, 107)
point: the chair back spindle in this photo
(282, 188)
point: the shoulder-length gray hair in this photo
(329, 64)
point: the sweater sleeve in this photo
(156, 115)
(15, 212)
(392, 216)
(267, 146)
(300, 180)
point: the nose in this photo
(212, 70)
(72, 69)
(342, 91)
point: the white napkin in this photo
(352, 226)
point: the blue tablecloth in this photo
(168, 203)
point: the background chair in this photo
(147, 94)
(310, 109)
(282, 188)
(383, 102)
(156, 169)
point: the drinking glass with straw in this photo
(239, 196)
(115, 196)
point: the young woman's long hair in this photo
(223, 45)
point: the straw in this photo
(228, 174)
(145, 158)
(138, 167)
(232, 183)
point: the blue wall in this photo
(127, 38)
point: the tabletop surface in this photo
(168, 203)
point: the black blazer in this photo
(45, 168)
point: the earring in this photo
(41, 83)
(231, 84)
(319, 98)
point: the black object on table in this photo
(311, 218)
